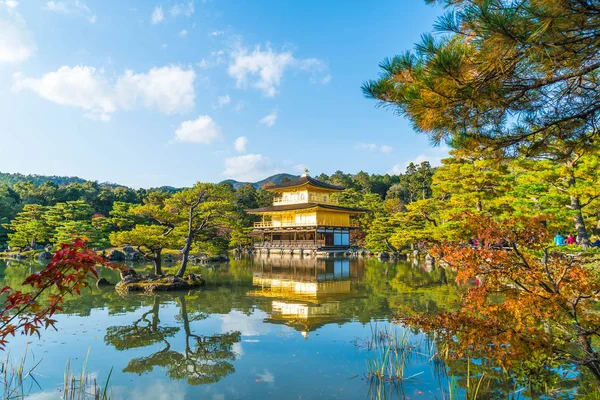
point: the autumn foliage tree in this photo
(531, 302)
(70, 271)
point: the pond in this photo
(281, 328)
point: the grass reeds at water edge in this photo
(85, 386)
(389, 352)
(18, 382)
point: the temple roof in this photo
(304, 180)
(303, 206)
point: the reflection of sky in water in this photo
(308, 352)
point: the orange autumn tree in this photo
(531, 301)
(71, 269)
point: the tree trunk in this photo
(188, 244)
(591, 362)
(582, 235)
(155, 309)
(184, 315)
(156, 260)
(389, 246)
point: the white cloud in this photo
(71, 7)
(240, 144)
(201, 130)
(186, 9)
(157, 15)
(57, 6)
(433, 155)
(326, 79)
(264, 69)
(217, 33)
(384, 148)
(216, 58)
(249, 167)
(202, 63)
(266, 377)
(223, 101)
(81, 86)
(183, 33)
(16, 42)
(168, 89)
(269, 120)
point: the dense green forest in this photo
(423, 205)
(34, 214)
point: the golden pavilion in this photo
(305, 216)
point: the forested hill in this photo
(275, 179)
(37, 180)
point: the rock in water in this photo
(44, 255)
(129, 250)
(150, 283)
(128, 272)
(103, 282)
(116, 255)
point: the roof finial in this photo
(305, 172)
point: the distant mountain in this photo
(12, 179)
(37, 180)
(275, 179)
(167, 189)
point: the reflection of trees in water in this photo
(412, 290)
(206, 359)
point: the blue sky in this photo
(151, 93)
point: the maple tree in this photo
(71, 269)
(531, 303)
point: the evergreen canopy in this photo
(517, 73)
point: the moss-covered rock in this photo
(150, 283)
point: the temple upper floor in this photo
(304, 196)
(304, 190)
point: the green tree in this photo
(494, 60)
(122, 217)
(28, 227)
(199, 210)
(69, 231)
(150, 240)
(10, 205)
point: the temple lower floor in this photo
(306, 239)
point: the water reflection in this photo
(205, 359)
(306, 295)
(262, 328)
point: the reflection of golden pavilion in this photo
(306, 298)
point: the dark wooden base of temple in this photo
(317, 239)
